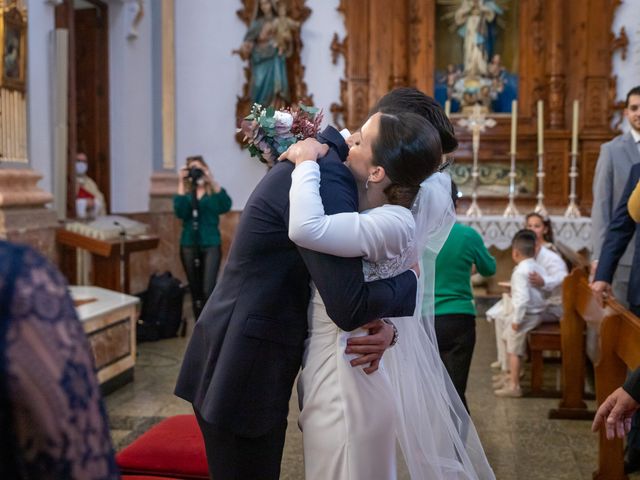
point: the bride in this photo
(350, 420)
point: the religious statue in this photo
(267, 45)
(473, 18)
(479, 81)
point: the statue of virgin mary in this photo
(473, 18)
(269, 83)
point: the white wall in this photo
(628, 71)
(39, 90)
(130, 81)
(209, 79)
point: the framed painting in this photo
(13, 34)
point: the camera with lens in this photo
(195, 174)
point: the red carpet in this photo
(173, 448)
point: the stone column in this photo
(23, 215)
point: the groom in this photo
(246, 349)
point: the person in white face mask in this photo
(89, 199)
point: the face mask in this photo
(81, 168)
(200, 182)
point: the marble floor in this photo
(520, 442)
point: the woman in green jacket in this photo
(455, 310)
(199, 203)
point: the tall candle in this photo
(447, 107)
(540, 128)
(574, 131)
(514, 125)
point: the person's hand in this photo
(592, 269)
(308, 149)
(370, 348)
(602, 290)
(515, 327)
(536, 280)
(183, 172)
(615, 414)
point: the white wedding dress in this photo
(351, 421)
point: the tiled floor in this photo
(520, 442)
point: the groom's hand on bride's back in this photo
(308, 149)
(370, 348)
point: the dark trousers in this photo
(456, 334)
(201, 280)
(231, 457)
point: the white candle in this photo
(447, 107)
(514, 125)
(540, 128)
(574, 131)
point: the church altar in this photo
(497, 231)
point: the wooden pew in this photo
(580, 305)
(547, 336)
(619, 352)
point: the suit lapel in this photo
(631, 148)
(332, 137)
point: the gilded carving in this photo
(338, 48)
(620, 42)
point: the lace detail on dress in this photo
(390, 267)
(57, 424)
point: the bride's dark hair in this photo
(408, 148)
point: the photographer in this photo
(199, 203)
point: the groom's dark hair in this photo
(409, 99)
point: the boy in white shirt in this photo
(528, 306)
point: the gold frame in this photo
(12, 20)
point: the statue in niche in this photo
(473, 18)
(479, 81)
(267, 45)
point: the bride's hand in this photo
(308, 149)
(370, 348)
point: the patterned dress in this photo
(53, 423)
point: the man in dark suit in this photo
(619, 234)
(246, 349)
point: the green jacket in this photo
(210, 207)
(464, 247)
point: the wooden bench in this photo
(579, 306)
(547, 337)
(619, 352)
(543, 338)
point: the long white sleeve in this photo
(554, 268)
(379, 234)
(519, 294)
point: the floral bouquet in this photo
(269, 132)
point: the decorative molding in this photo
(339, 110)
(18, 188)
(338, 48)
(620, 42)
(538, 27)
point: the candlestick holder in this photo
(474, 209)
(476, 123)
(512, 210)
(540, 208)
(572, 210)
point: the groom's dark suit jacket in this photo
(246, 348)
(619, 234)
